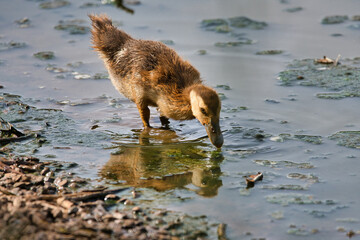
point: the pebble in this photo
(111, 197)
(136, 209)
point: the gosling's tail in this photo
(106, 38)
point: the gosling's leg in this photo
(164, 122)
(144, 114)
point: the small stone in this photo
(111, 197)
(60, 182)
(22, 185)
(45, 171)
(128, 223)
(128, 202)
(57, 213)
(49, 176)
(134, 194)
(136, 209)
(73, 210)
(161, 213)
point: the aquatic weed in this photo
(343, 79)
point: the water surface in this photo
(181, 163)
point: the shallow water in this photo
(168, 165)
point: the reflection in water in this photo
(168, 165)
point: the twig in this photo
(337, 60)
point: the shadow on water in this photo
(162, 162)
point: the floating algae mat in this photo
(48, 126)
(222, 25)
(282, 164)
(349, 139)
(295, 198)
(341, 80)
(75, 26)
(232, 26)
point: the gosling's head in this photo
(206, 106)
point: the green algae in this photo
(46, 55)
(52, 124)
(281, 138)
(223, 86)
(309, 139)
(305, 138)
(281, 164)
(350, 139)
(240, 42)
(228, 25)
(285, 187)
(336, 19)
(309, 177)
(10, 45)
(168, 42)
(244, 22)
(201, 52)
(54, 4)
(347, 220)
(285, 199)
(270, 52)
(210, 23)
(335, 95)
(233, 109)
(301, 231)
(355, 18)
(342, 80)
(293, 9)
(277, 215)
(75, 26)
(249, 133)
(23, 22)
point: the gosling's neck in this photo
(178, 106)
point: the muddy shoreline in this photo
(38, 201)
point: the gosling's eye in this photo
(203, 111)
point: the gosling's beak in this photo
(214, 133)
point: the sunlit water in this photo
(180, 163)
